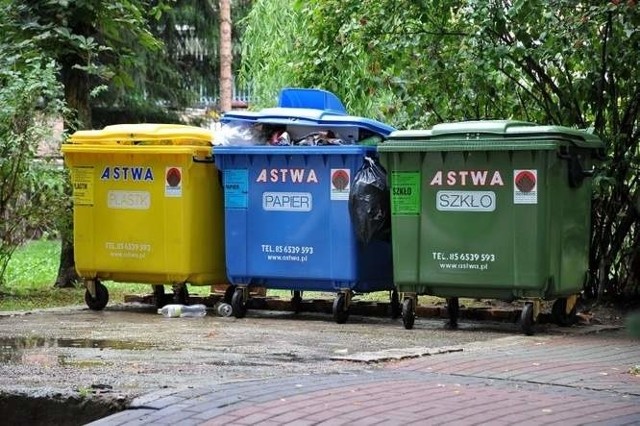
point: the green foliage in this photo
(188, 61)
(133, 114)
(126, 53)
(344, 54)
(33, 264)
(397, 61)
(416, 63)
(106, 50)
(270, 40)
(29, 186)
(29, 275)
(572, 65)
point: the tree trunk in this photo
(67, 275)
(76, 90)
(226, 56)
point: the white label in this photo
(287, 201)
(466, 201)
(132, 200)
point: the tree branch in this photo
(628, 124)
(574, 99)
(599, 121)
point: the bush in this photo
(30, 187)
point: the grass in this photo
(30, 276)
(32, 272)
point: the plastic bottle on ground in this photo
(175, 311)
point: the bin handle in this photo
(203, 160)
(576, 172)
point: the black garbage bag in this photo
(369, 202)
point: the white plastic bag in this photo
(239, 134)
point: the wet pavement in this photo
(275, 367)
(555, 379)
(129, 351)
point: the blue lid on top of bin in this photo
(492, 135)
(294, 97)
(296, 110)
(295, 115)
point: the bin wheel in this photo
(526, 319)
(100, 301)
(238, 304)
(396, 308)
(408, 313)
(560, 315)
(340, 310)
(180, 294)
(453, 309)
(158, 296)
(296, 301)
(228, 293)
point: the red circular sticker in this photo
(174, 177)
(525, 181)
(340, 179)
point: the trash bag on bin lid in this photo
(369, 205)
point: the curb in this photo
(363, 308)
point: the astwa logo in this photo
(144, 174)
(287, 176)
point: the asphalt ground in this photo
(576, 376)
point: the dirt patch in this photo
(23, 409)
(607, 314)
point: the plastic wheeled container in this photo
(491, 209)
(286, 207)
(147, 208)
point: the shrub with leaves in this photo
(416, 63)
(30, 186)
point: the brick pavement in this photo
(561, 379)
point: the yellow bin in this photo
(147, 208)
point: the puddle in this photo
(43, 351)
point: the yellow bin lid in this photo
(144, 134)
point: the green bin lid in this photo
(489, 135)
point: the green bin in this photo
(491, 209)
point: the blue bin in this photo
(287, 222)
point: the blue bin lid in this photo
(293, 97)
(300, 112)
(295, 115)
